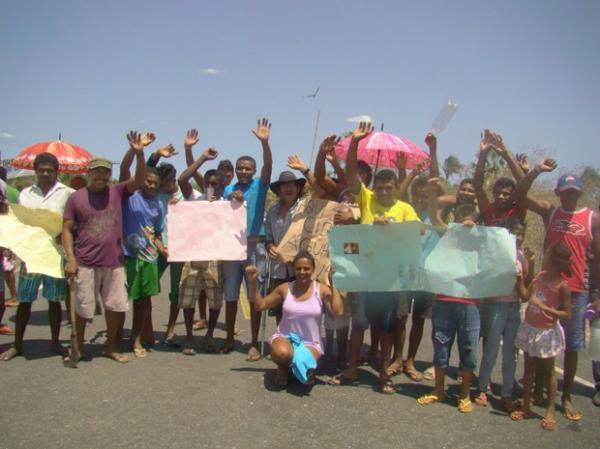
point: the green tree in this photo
(452, 166)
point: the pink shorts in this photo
(107, 284)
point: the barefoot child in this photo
(540, 336)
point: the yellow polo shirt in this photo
(370, 208)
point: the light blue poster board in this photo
(477, 262)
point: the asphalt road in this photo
(169, 400)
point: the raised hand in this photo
(433, 185)
(191, 138)
(485, 143)
(210, 154)
(329, 143)
(252, 273)
(363, 130)
(497, 143)
(546, 165)
(263, 130)
(295, 163)
(523, 162)
(422, 166)
(148, 138)
(431, 141)
(167, 151)
(401, 161)
(135, 141)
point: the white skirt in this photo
(541, 343)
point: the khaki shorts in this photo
(106, 284)
(199, 276)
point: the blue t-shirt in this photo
(143, 219)
(255, 195)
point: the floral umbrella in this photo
(71, 158)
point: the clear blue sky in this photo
(95, 69)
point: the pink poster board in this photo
(203, 231)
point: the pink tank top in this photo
(548, 293)
(575, 229)
(303, 317)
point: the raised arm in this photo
(137, 147)
(165, 151)
(504, 152)
(434, 168)
(484, 149)
(403, 180)
(363, 130)
(273, 299)
(191, 139)
(433, 189)
(324, 181)
(125, 169)
(332, 158)
(262, 133)
(541, 207)
(295, 163)
(209, 154)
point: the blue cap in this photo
(568, 182)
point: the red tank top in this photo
(575, 229)
(492, 216)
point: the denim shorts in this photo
(381, 309)
(234, 270)
(452, 320)
(575, 327)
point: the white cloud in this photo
(210, 71)
(360, 118)
(7, 136)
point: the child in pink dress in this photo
(540, 336)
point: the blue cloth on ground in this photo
(303, 360)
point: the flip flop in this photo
(117, 357)
(199, 325)
(139, 353)
(394, 370)
(342, 379)
(387, 387)
(572, 415)
(429, 399)
(481, 399)
(189, 351)
(549, 424)
(414, 375)
(253, 355)
(520, 415)
(429, 374)
(171, 341)
(465, 405)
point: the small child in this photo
(501, 318)
(540, 336)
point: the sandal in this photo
(171, 341)
(342, 379)
(429, 374)
(481, 399)
(253, 355)
(387, 387)
(465, 405)
(189, 351)
(571, 414)
(415, 376)
(549, 424)
(429, 399)
(116, 356)
(139, 353)
(520, 415)
(394, 368)
(199, 325)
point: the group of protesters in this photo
(116, 249)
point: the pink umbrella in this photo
(381, 149)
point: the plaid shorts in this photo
(199, 276)
(53, 289)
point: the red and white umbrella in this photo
(382, 149)
(71, 158)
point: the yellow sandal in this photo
(465, 405)
(429, 399)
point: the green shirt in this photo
(12, 194)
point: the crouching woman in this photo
(297, 343)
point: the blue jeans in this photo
(503, 319)
(452, 320)
(575, 327)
